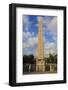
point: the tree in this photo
(51, 59)
(31, 58)
(55, 59)
(28, 59)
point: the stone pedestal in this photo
(40, 65)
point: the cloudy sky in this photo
(30, 34)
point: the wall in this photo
(4, 44)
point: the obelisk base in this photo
(40, 65)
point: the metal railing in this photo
(49, 67)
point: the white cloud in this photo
(45, 21)
(50, 48)
(27, 22)
(30, 43)
(26, 35)
(32, 33)
(30, 40)
(52, 26)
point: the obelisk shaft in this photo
(40, 63)
(40, 40)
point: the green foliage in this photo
(28, 59)
(51, 59)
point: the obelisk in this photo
(40, 63)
